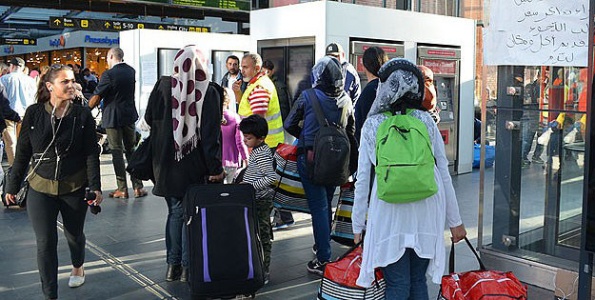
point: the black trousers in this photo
(43, 212)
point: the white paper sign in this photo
(148, 72)
(537, 32)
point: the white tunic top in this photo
(391, 227)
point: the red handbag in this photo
(480, 284)
(340, 276)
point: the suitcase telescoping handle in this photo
(451, 259)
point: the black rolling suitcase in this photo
(225, 249)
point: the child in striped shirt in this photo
(261, 175)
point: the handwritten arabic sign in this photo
(537, 32)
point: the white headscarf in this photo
(400, 78)
(189, 84)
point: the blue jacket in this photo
(303, 111)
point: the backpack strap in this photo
(322, 121)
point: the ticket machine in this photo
(392, 50)
(445, 63)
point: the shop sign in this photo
(20, 41)
(59, 42)
(101, 40)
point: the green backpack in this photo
(404, 160)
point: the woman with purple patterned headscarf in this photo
(184, 112)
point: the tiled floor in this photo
(126, 256)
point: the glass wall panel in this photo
(37, 60)
(541, 120)
(95, 60)
(66, 56)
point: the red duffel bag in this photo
(481, 284)
(338, 282)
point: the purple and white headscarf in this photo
(189, 85)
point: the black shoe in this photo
(526, 163)
(316, 267)
(184, 275)
(173, 272)
(267, 278)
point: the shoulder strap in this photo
(322, 121)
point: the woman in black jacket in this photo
(184, 112)
(59, 140)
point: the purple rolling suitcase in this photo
(225, 250)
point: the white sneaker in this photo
(76, 281)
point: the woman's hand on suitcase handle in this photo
(10, 198)
(217, 178)
(458, 233)
(357, 237)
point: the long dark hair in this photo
(43, 94)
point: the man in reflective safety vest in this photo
(260, 97)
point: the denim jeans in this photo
(176, 233)
(319, 202)
(406, 278)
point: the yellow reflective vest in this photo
(273, 115)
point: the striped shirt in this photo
(260, 173)
(259, 100)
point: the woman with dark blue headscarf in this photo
(327, 83)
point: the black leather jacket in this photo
(75, 146)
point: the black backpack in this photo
(330, 165)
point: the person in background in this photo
(283, 218)
(261, 175)
(184, 157)
(43, 70)
(79, 98)
(351, 78)
(6, 113)
(20, 91)
(268, 67)
(90, 81)
(234, 150)
(119, 115)
(34, 74)
(232, 80)
(405, 240)
(530, 122)
(60, 138)
(302, 123)
(429, 101)
(373, 59)
(4, 69)
(260, 97)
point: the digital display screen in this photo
(224, 4)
